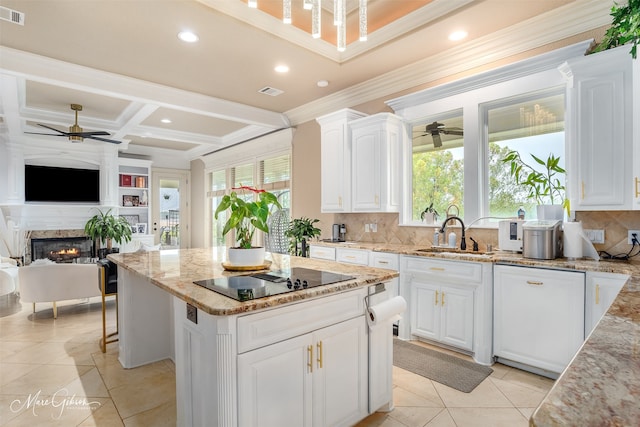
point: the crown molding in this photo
(536, 32)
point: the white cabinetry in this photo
(449, 303)
(538, 316)
(317, 379)
(601, 290)
(600, 131)
(352, 256)
(322, 252)
(375, 177)
(387, 261)
(134, 192)
(335, 160)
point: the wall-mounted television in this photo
(61, 185)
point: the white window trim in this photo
(531, 75)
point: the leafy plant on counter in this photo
(247, 216)
(427, 210)
(625, 27)
(298, 232)
(543, 186)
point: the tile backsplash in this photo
(615, 224)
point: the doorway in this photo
(170, 206)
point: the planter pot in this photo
(429, 218)
(246, 257)
(550, 212)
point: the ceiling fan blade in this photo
(88, 134)
(437, 141)
(112, 141)
(452, 132)
(61, 132)
(51, 134)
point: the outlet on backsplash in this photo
(371, 228)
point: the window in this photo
(272, 174)
(438, 164)
(532, 125)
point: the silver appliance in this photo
(338, 232)
(510, 235)
(542, 239)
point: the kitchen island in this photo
(298, 358)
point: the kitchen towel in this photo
(388, 310)
(576, 243)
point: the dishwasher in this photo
(538, 322)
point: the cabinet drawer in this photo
(385, 260)
(322, 252)
(446, 271)
(268, 327)
(352, 256)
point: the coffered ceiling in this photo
(122, 60)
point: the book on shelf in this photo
(141, 182)
(125, 180)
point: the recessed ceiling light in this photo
(322, 83)
(188, 36)
(457, 35)
(166, 121)
(282, 68)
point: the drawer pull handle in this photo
(597, 294)
(350, 257)
(443, 299)
(637, 187)
(436, 297)
(319, 350)
(436, 269)
(383, 262)
(582, 189)
(535, 283)
(310, 358)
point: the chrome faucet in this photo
(463, 242)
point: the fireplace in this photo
(62, 249)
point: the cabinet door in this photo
(457, 317)
(538, 316)
(335, 169)
(366, 144)
(275, 384)
(425, 310)
(600, 117)
(340, 380)
(601, 290)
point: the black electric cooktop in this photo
(260, 285)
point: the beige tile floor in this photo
(52, 373)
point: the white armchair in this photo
(58, 282)
(8, 275)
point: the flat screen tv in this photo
(61, 185)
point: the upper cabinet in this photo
(360, 162)
(601, 137)
(375, 174)
(335, 159)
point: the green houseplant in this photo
(429, 214)
(625, 27)
(245, 218)
(104, 227)
(543, 186)
(298, 232)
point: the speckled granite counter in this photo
(601, 385)
(176, 270)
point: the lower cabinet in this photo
(317, 379)
(601, 290)
(538, 316)
(442, 313)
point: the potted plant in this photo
(299, 231)
(624, 27)
(543, 187)
(429, 215)
(104, 227)
(245, 218)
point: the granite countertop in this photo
(601, 385)
(176, 270)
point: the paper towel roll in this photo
(576, 243)
(388, 310)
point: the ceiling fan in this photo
(435, 129)
(76, 133)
